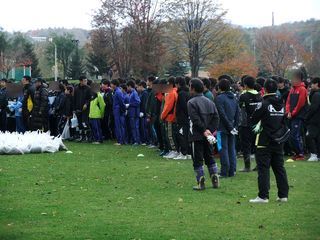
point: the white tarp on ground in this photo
(29, 142)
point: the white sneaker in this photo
(313, 158)
(181, 157)
(282, 199)
(168, 155)
(189, 157)
(259, 200)
(172, 154)
(178, 157)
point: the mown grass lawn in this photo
(106, 192)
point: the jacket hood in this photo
(185, 88)
(274, 100)
(229, 94)
(299, 85)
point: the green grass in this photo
(106, 192)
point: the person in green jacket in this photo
(96, 113)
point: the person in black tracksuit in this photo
(40, 111)
(27, 103)
(108, 120)
(3, 105)
(313, 121)
(182, 117)
(82, 97)
(271, 116)
(56, 112)
(204, 120)
(284, 93)
(247, 102)
(143, 94)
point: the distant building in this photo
(39, 39)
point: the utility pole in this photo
(55, 60)
(272, 19)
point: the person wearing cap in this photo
(40, 111)
(3, 105)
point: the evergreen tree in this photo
(178, 68)
(76, 68)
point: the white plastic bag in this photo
(74, 121)
(66, 131)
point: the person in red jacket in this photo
(296, 108)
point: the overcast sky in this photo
(20, 15)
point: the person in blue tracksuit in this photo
(143, 94)
(134, 112)
(127, 132)
(119, 109)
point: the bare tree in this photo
(132, 29)
(199, 28)
(278, 50)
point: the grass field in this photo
(106, 192)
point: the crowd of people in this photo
(192, 119)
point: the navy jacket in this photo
(143, 98)
(228, 109)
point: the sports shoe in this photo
(201, 186)
(96, 143)
(171, 154)
(163, 153)
(215, 180)
(143, 144)
(313, 158)
(259, 200)
(189, 156)
(245, 170)
(181, 157)
(282, 199)
(151, 146)
(117, 144)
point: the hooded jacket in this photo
(313, 114)
(248, 102)
(297, 101)
(169, 109)
(203, 115)
(40, 111)
(182, 106)
(271, 113)
(97, 106)
(228, 109)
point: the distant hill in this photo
(81, 34)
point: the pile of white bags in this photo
(29, 142)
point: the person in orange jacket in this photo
(168, 115)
